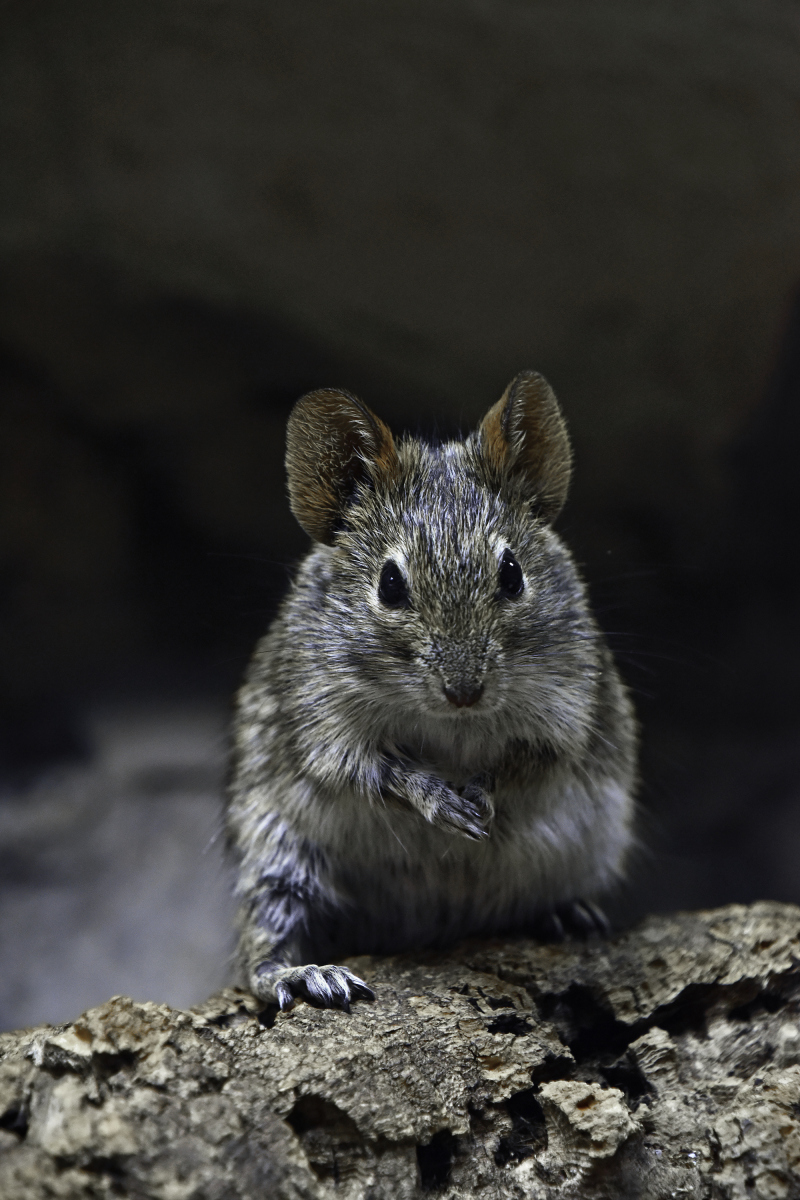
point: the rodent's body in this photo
(430, 754)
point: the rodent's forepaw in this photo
(326, 987)
(468, 812)
(578, 918)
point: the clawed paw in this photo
(578, 919)
(325, 987)
(468, 812)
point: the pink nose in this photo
(464, 697)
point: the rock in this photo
(665, 1062)
(585, 1121)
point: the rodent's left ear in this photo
(524, 435)
(333, 442)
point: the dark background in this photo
(207, 208)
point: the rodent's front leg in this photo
(276, 919)
(468, 811)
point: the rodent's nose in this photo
(464, 697)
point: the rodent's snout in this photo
(459, 670)
(465, 695)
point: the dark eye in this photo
(392, 587)
(510, 575)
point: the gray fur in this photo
(367, 813)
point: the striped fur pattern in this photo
(367, 811)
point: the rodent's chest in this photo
(392, 842)
(396, 881)
(452, 759)
(401, 882)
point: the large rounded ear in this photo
(524, 435)
(333, 442)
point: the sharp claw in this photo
(363, 991)
(337, 982)
(357, 986)
(471, 829)
(551, 927)
(284, 995)
(557, 926)
(316, 986)
(578, 917)
(601, 921)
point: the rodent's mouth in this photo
(459, 690)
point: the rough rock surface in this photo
(665, 1063)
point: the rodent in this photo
(432, 740)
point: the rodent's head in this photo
(446, 596)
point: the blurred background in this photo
(209, 207)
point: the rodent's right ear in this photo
(333, 442)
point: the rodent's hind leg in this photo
(577, 919)
(325, 987)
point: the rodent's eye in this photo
(392, 588)
(510, 575)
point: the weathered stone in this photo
(665, 1062)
